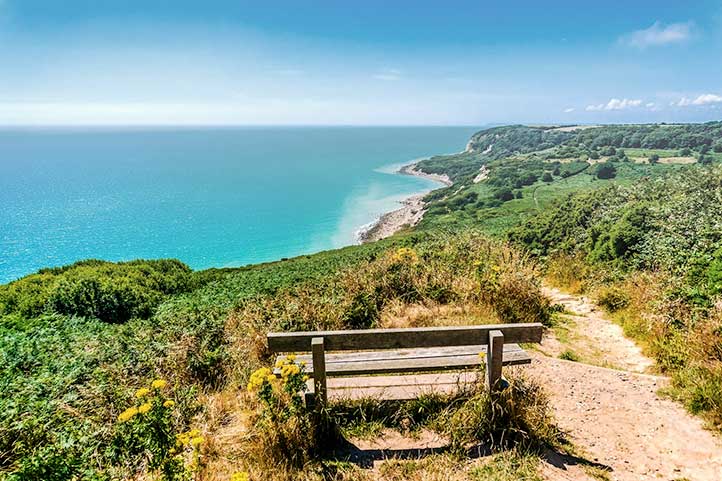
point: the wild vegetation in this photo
(627, 213)
(652, 254)
(68, 378)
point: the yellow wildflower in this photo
(194, 432)
(305, 378)
(279, 363)
(240, 476)
(142, 392)
(258, 378)
(182, 439)
(127, 415)
(197, 441)
(271, 378)
(289, 370)
(405, 255)
(291, 357)
(144, 408)
(302, 363)
(159, 384)
(168, 403)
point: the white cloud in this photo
(389, 74)
(570, 109)
(615, 104)
(658, 35)
(704, 99)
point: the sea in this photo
(211, 197)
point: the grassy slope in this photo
(64, 368)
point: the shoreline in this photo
(412, 210)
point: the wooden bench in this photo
(372, 352)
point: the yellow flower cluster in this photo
(240, 476)
(159, 384)
(142, 392)
(288, 370)
(190, 438)
(146, 407)
(405, 255)
(258, 378)
(128, 414)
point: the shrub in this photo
(146, 436)
(514, 296)
(605, 170)
(613, 298)
(517, 416)
(103, 290)
(285, 433)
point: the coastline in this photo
(410, 214)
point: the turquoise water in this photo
(209, 197)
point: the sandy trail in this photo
(616, 417)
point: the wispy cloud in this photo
(704, 99)
(658, 35)
(615, 104)
(389, 74)
(570, 109)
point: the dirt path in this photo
(586, 332)
(615, 416)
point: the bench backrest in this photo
(367, 339)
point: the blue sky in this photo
(359, 62)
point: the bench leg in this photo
(494, 354)
(319, 371)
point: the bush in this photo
(285, 433)
(518, 416)
(514, 297)
(146, 437)
(96, 289)
(613, 298)
(605, 170)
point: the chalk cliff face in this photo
(498, 142)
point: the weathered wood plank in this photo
(420, 352)
(403, 338)
(319, 370)
(340, 367)
(494, 353)
(399, 387)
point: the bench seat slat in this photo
(403, 337)
(410, 360)
(399, 387)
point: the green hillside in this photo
(627, 214)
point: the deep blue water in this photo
(209, 197)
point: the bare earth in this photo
(591, 335)
(616, 416)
